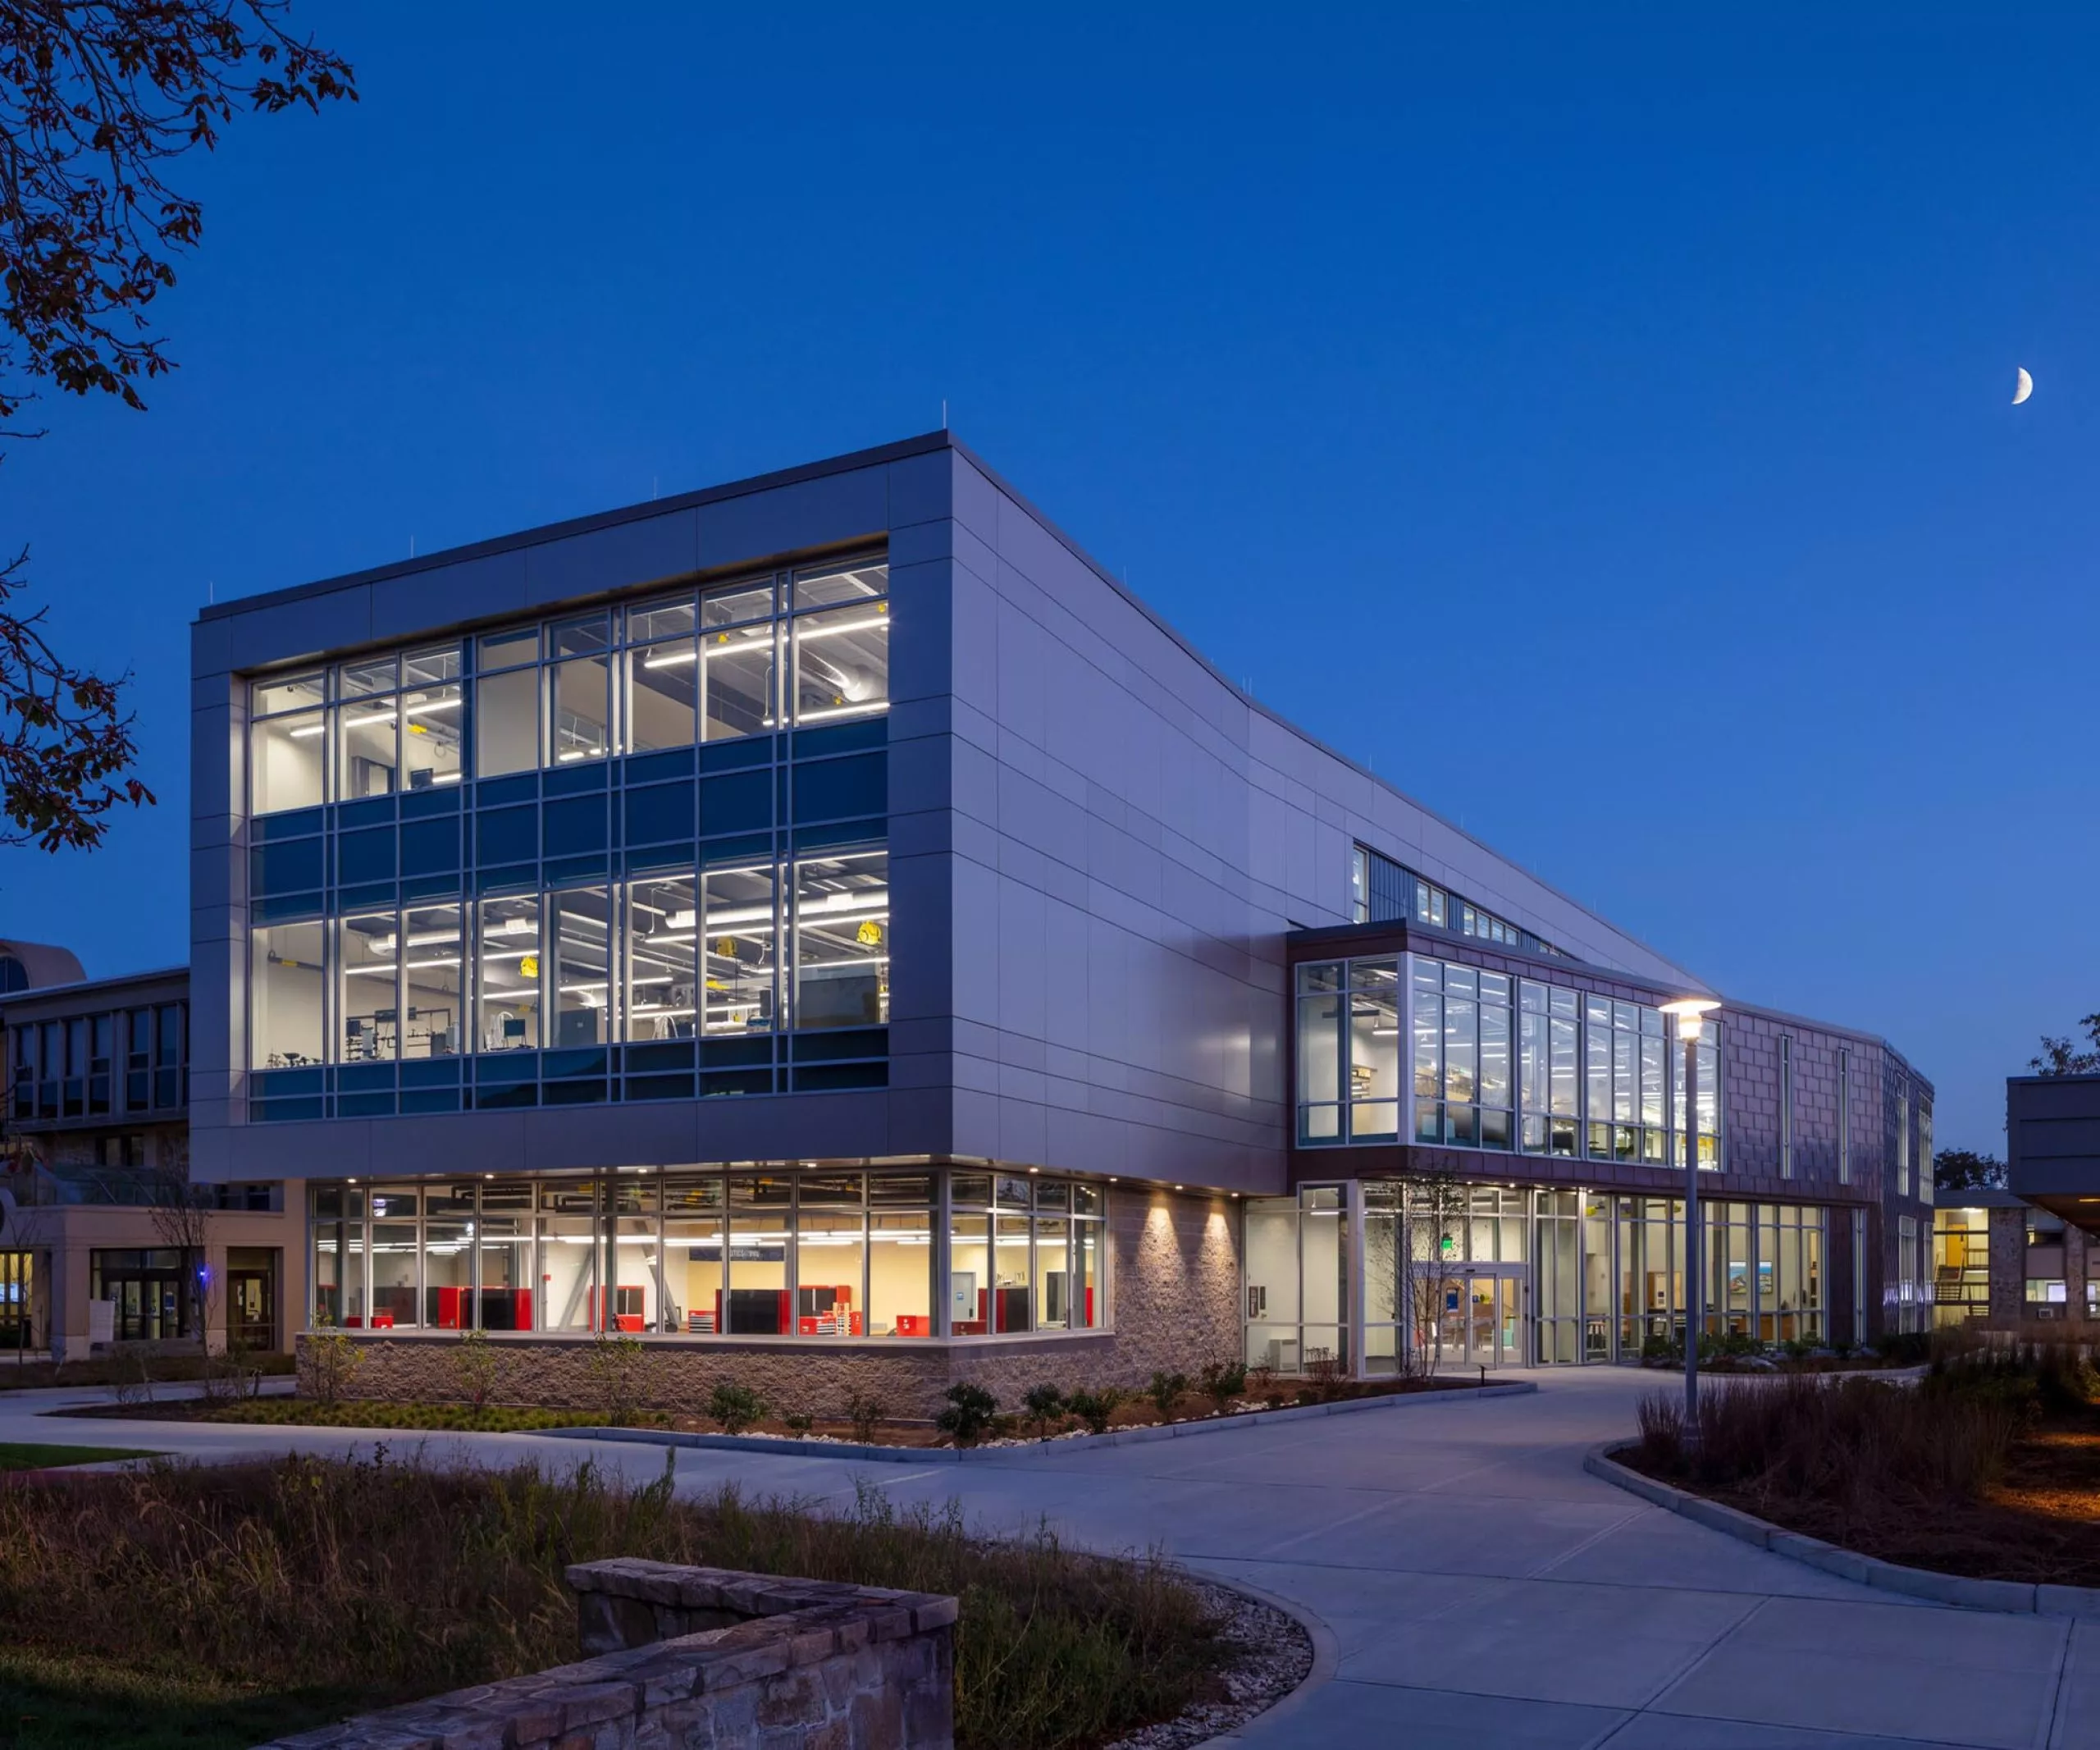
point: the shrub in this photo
(2031, 1378)
(969, 1412)
(797, 1421)
(735, 1407)
(1223, 1381)
(334, 1359)
(1906, 1348)
(864, 1410)
(1165, 1390)
(1096, 1408)
(616, 1373)
(1044, 1403)
(1329, 1374)
(474, 1365)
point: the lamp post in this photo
(1690, 1013)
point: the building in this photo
(99, 1141)
(544, 897)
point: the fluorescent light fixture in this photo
(805, 632)
(306, 730)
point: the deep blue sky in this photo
(1596, 421)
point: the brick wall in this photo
(706, 1656)
(1174, 1295)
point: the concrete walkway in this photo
(1477, 1588)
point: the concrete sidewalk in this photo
(1480, 1590)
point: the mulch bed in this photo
(1135, 1412)
(1271, 1653)
(2039, 1523)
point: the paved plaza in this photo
(1471, 1584)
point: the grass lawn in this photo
(19, 1373)
(214, 1607)
(60, 1701)
(29, 1455)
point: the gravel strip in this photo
(1275, 1653)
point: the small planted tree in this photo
(1221, 1382)
(473, 1365)
(864, 1410)
(333, 1358)
(616, 1373)
(735, 1407)
(1096, 1409)
(969, 1414)
(1165, 1390)
(1044, 1403)
(1433, 1203)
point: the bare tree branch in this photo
(96, 98)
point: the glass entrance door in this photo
(1483, 1316)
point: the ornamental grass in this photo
(208, 1607)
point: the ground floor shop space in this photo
(1375, 1278)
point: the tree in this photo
(180, 1212)
(1433, 1203)
(2058, 1058)
(1964, 1169)
(96, 96)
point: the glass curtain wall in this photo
(1604, 1273)
(1495, 1062)
(762, 1251)
(701, 665)
(1299, 1311)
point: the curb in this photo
(1327, 1659)
(2009, 1598)
(1133, 1437)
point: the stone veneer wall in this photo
(1173, 1295)
(707, 1658)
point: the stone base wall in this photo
(1173, 1295)
(704, 1657)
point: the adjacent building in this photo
(826, 926)
(2026, 1260)
(97, 1157)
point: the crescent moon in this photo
(2025, 389)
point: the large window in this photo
(1962, 1265)
(1463, 1091)
(756, 1251)
(841, 940)
(708, 665)
(1493, 1061)
(285, 996)
(840, 638)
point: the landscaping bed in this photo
(974, 1417)
(1739, 1353)
(214, 1607)
(1989, 1468)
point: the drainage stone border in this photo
(788, 1446)
(2011, 1597)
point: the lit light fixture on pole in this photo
(1690, 1014)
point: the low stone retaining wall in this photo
(909, 1376)
(704, 1657)
(2015, 1597)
